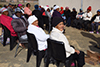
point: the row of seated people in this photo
(84, 20)
(19, 24)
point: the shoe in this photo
(97, 32)
(91, 32)
(72, 64)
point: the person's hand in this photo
(77, 51)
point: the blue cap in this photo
(98, 10)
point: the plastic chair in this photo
(56, 50)
(7, 34)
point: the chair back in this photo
(6, 31)
(32, 40)
(32, 45)
(57, 50)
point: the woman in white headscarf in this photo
(40, 35)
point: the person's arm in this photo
(16, 26)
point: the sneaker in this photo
(97, 32)
(91, 32)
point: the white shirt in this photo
(40, 35)
(59, 36)
(97, 19)
(87, 14)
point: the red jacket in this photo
(6, 21)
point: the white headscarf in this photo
(3, 9)
(56, 7)
(31, 19)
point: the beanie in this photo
(89, 8)
(56, 21)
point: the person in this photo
(27, 10)
(40, 35)
(38, 14)
(71, 53)
(6, 21)
(20, 25)
(72, 16)
(87, 18)
(78, 20)
(10, 10)
(47, 13)
(56, 12)
(20, 8)
(61, 10)
(67, 13)
(95, 21)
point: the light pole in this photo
(82, 4)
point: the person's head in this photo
(4, 11)
(67, 8)
(61, 8)
(88, 9)
(20, 5)
(28, 5)
(81, 10)
(98, 12)
(10, 5)
(51, 8)
(58, 23)
(36, 7)
(74, 9)
(18, 13)
(33, 20)
(46, 8)
(56, 8)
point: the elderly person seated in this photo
(6, 21)
(71, 53)
(40, 35)
(20, 25)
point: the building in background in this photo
(73, 4)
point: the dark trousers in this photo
(86, 24)
(79, 58)
(40, 55)
(97, 24)
(77, 23)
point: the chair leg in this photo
(67, 63)
(57, 63)
(16, 50)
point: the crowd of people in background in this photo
(20, 20)
(82, 20)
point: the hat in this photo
(31, 19)
(19, 5)
(45, 7)
(89, 8)
(67, 8)
(56, 7)
(56, 21)
(17, 10)
(3, 9)
(98, 10)
(62, 8)
(36, 6)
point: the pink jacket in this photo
(6, 21)
(27, 11)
